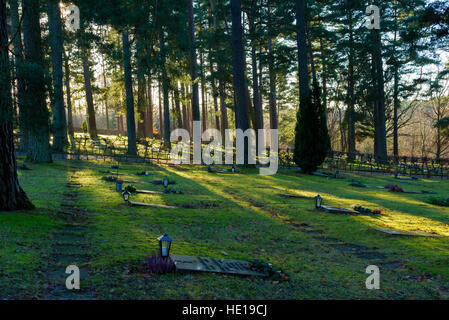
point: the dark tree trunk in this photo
(304, 89)
(141, 85)
(177, 105)
(18, 53)
(106, 103)
(193, 63)
(350, 96)
(12, 197)
(165, 85)
(185, 117)
(70, 128)
(161, 122)
(238, 63)
(149, 122)
(224, 111)
(59, 115)
(36, 112)
(274, 120)
(203, 94)
(380, 135)
(130, 117)
(91, 121)
(258, 112)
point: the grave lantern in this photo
(164, 245)
(318, 201)
(126, 195)
(165, 182)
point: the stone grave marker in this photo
(337, 210)
(237, 267)
(406, 233)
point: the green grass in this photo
(251, 222)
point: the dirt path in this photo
(69, 247)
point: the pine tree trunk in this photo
(149, 122)
(258, 113)
(91, 121)
(274, 120)
(350, 96)
(380, 136)
(165, 88)
(70, 128)
(238, 63)
(304, 89)
(59, 114)
(18, 53)
(184, 108)
(177, 105)
(36, 113)
(141, 85)
(161, 123)
(106, 104)
(12, 197)
(193, 63)
(203, 94)
(224, 111)
(130, 117)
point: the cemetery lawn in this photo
(236, 217)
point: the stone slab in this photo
(148, 192)
(406, 233)
(142, 204)
(205, 264)
(336, 210)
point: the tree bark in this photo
(161, 122)
(274, 120)
(18, 53)
(91, 121)
(141, 85)
(70, 128)
(130, 117)
(12, 197)
(165, 85)
(304, 89)
(238, 63)
(380, 135)
(193, 63)
(59, 114)
(149, 120)
(36, 115)
(350, 94)
(258, 112)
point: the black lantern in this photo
(126, 195)
(164, 245)
(318, 201)
(165, 182)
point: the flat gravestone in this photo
(148, 192)
(237, 267)
(336, 210)
(142, 204)
(406, 233)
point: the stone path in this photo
(69, 247)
